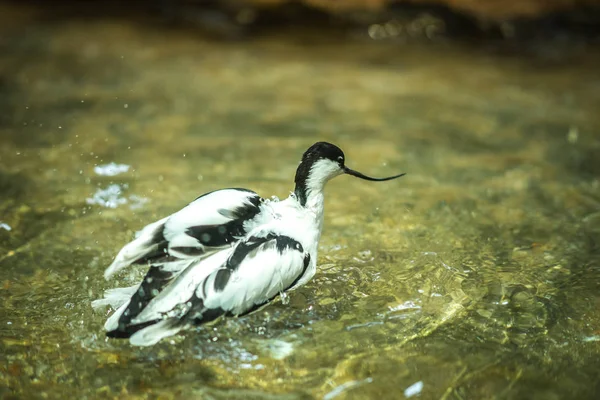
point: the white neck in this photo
(312, 210)
(315, 203)
(309, 191)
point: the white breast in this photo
(300, 223)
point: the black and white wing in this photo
(258, 269)
(211, 223)
(208, 224)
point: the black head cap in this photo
(321, 150)
(316, 152)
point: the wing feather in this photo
(234, 282)
(260, 268)
(177, 250)
(209, 223)
(149, 243)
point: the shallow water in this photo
(475, 276)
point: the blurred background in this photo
(397, 20)
(475, 276)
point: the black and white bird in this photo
(228, 252)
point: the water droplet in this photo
(413, 389)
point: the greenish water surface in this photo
(475, 276)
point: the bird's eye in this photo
(341, 159)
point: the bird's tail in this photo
(154, 333)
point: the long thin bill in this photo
(368, 178)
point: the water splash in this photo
(109, 197)
(111, 169)
(112, 197)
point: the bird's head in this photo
(322, 162)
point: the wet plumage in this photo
(226, 253)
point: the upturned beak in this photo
(368, 178)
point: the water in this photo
(475, 276)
